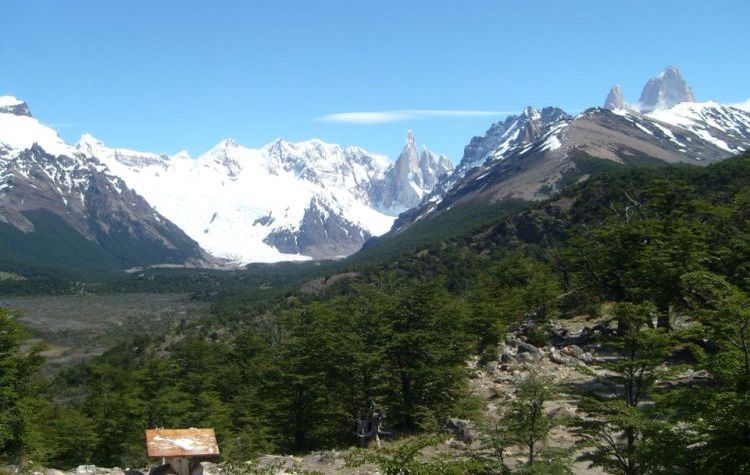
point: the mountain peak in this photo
(229, 143)
(411, 177)
(530, 112)
(90, 145)
(87, 140)
(410, 140)
(670, 71)
(665, 90)
(13, 105)
(615, 99)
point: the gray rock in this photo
(20, 108)
(507, 359)
(455, 444)
(75, 192)
(614, 99)
(520, 377)
(557, 358)
(461, 430)
(665, 90)
(410, 178)
(528, 348)
(528, 357)
(572, 350)
(514, 131)
(323, 233)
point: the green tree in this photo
(526, 419)
(305, 407)
(643, 246)
(620, 431)
(425, 354)
(67, 437)
(722, 410)
(16, 370)
(408, 458)
(515, 288)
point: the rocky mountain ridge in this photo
(535, 154)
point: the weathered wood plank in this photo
(181, 442)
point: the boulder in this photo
(507, 359)
(572, 350)
(528, 348)
(461, 430)
(528, 357)
(557, 358)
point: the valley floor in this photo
(77, 327)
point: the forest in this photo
(663, 253)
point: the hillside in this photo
(657, 256)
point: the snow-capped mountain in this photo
(664, 91)
(410, 178)
(283, 201)
(56, 204)
(534, 154)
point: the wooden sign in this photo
(181, 443)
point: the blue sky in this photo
(166, 75)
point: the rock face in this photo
(502, 138)
(58, 207)
(665, 90)
(11, 105)
(515, 131)
(322, 233)
(410, 177)
(615, 99)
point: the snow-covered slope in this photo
(59, 207)
(726, 127)
(283, 201)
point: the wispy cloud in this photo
(382, 117)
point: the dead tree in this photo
(370, 426)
